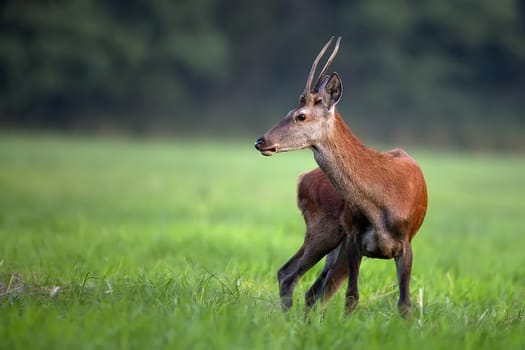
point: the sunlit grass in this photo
(141, 244)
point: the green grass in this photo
(142, 244)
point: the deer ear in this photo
(331, 90)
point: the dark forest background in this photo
(446, 73)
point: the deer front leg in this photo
(404, 268)
(354, 262)
(330, 279)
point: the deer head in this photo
(311, 121)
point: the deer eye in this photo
(318, 101)
(301, 117)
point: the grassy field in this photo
(144, 245)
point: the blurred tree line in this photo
(433, 71)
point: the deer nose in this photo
(258, 143)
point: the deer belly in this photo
(379, 245)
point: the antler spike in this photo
(328, 63)
(314, 65)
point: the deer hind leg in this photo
(290, 265)
(404, 268)
(334, 272)
(319, 240)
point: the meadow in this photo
(141, 244)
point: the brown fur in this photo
(384, 195)
(328, 221)
(354, 211)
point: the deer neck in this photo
(348, 163)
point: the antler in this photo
(328, 63)
(316, 62)
(314, 66)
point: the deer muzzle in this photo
(265, 149)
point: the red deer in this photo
(385, 191)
